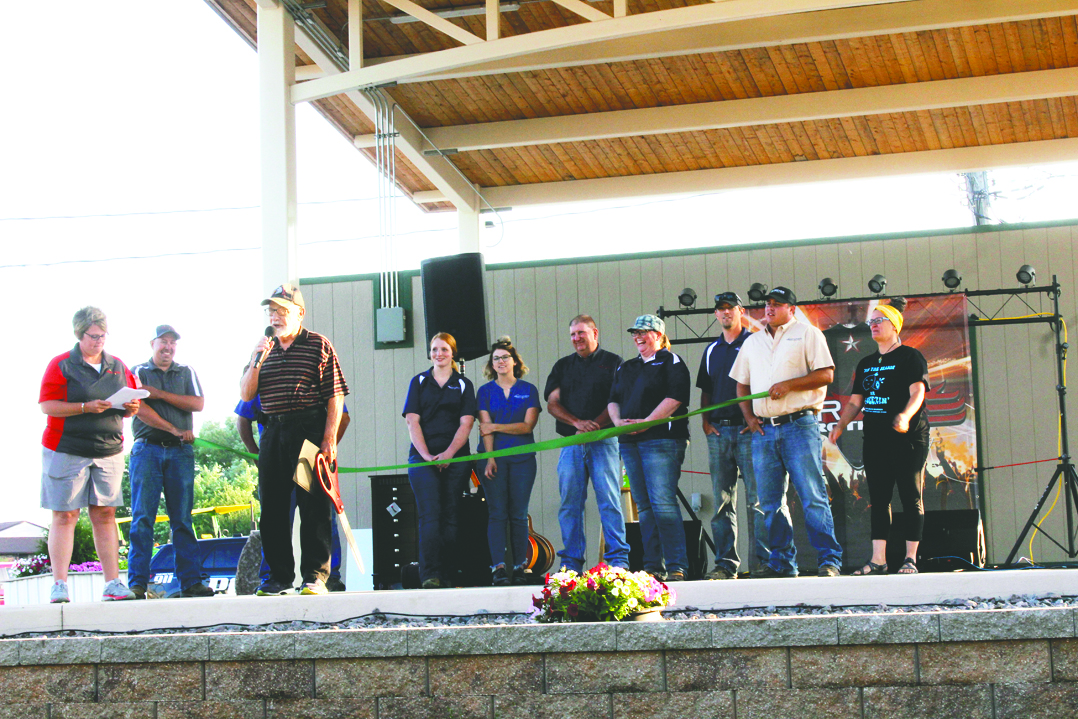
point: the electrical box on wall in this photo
(392, 325)
(389, 322)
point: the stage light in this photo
(877, 284)
(1026, 275)
(827, 287)
(951, 279)
(687, 298)
(758, 292)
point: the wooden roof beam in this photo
(765, 32)
(452, 186)
(562, 37)
(966, 159)
(756, 111)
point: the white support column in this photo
(469, 224)
(277, 142)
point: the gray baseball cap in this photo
(649, 322)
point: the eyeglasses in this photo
(279, 311)
(95, 338)
(637, 333)
(876, 320)
(501, 358)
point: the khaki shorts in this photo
(69, 482)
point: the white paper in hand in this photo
(125, 395)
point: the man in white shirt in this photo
(789, 360)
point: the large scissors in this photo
(326, 471)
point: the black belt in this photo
(786, 418)
(730, 422)
(164, 442)
(301, 414)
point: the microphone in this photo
(270, 332)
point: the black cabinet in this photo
(396, 537)
(394, 528)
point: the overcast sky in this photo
(130, 153)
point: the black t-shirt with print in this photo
(884, 381)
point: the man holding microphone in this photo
(296, 374)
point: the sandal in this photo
(908, 567)
(872, 567)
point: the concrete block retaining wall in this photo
(998, 664)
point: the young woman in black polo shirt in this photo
(439, 411)
(889, 385)
(653, 386)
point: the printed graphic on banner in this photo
(936, 325)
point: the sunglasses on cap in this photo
(728, 298)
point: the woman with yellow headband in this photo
(889, 386)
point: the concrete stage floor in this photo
(891, 590)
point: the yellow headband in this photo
(893, 315)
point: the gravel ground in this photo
(383, 621)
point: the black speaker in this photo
(454, 301)
(694, 546)
(952, 539)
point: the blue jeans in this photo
(335, 553)
(728, 451)
(598, 460)
(154, 468)
(507, 501)
(654, 467)
(795, 449)
(437, 496)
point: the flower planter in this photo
(654, 614)
(82, 586)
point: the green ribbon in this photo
(582, 438)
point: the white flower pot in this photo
(81, 586)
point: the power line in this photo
(176, 212)
(192, 253)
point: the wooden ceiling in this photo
(920, 85)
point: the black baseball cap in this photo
(287, 294)
(784, 295)
(728, 298)
(163, 330)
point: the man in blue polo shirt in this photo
(729, 446)
(250, 412)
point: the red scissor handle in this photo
(327, 477)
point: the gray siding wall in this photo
(534, 303)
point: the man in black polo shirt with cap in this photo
(299, 381)
(729, 444)
(162, 458)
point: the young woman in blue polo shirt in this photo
(508, 410)
(439, 411)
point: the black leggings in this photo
(892, 458)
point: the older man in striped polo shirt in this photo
(298, 378)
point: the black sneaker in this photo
(767, 572)
(273, 588)
(334, 584)
(138, 590)
(499, 577)
(521, 576)
(195, 590)
(828, 570)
